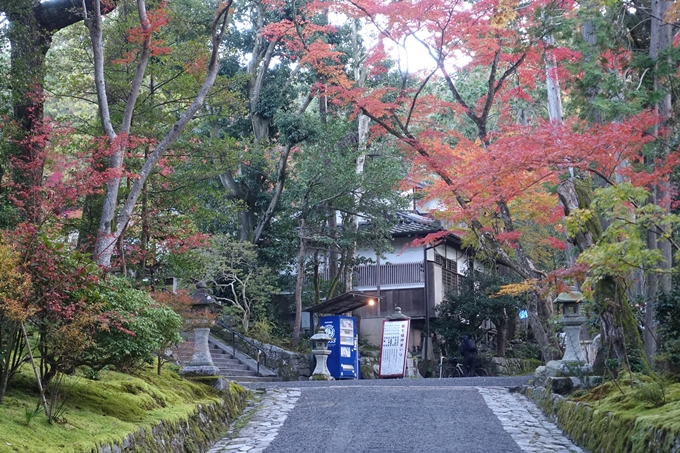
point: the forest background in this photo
(242, 144)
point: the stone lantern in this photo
(201, 363)
(573, 371)
(397, 315)
(205, 302)
(572, 322)
(321, 352)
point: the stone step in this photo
(214, 347)
(231, 366)
(232, 372)
(229, 373)
(220, 353)
(225, 358)
(233, 369)
(254, 379)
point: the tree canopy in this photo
(544, 131)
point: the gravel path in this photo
(467, 415)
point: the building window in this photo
(445, 263)
(449, 281)
(449, 272)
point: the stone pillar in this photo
(201, 363)
(563, 375)
(573, 352)
(321, 372)
(412, 367)
(321, 353)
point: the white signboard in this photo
(393, 348)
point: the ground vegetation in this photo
(256, 146)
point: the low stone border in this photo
(244, 359)
(501, 366)
(602, 431)
(194, 434)
(288, 365)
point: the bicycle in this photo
(455, 369)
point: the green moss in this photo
(319, 377)
(107, 411)
(366, 372)
(607, 421)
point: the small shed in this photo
(343, 303)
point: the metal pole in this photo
(427, 305)
(377, 281)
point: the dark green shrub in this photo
(668, 316)
(136, 328)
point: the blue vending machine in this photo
(343, 362)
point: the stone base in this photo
(562, 377)
(560, 368)
(321, 377)
(217, 382)
(205, 370)
(411, 368)
(221, 384)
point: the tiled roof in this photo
(409, 224)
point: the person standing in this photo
(468, 349)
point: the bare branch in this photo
(280, 180)
(105, 238)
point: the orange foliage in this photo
(181, 302)
(506, 162)
(14, 287)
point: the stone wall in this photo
(193, 434)
(602, 431)
(510, 367)
(288, 365)
(370, 365)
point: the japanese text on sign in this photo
(394, 347)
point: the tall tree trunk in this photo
(513, 320)
(29, 45)
(619, 325)
(107, 235)
(300, 281)
(552, 82)
(660, 42)
(501, 331)
(363, 123)
(246, 222)
(31, 26)
(10, 360)
(614, 310)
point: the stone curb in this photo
(602, 431)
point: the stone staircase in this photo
(232, 368)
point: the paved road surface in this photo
(467, 415)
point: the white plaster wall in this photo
(438, 286)
(400, 254)
(463, 266)
(371, 329)
(448, 252)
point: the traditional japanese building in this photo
(414, 278)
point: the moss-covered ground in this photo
(97, 412)
(641, 414)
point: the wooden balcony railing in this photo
(390, 274)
